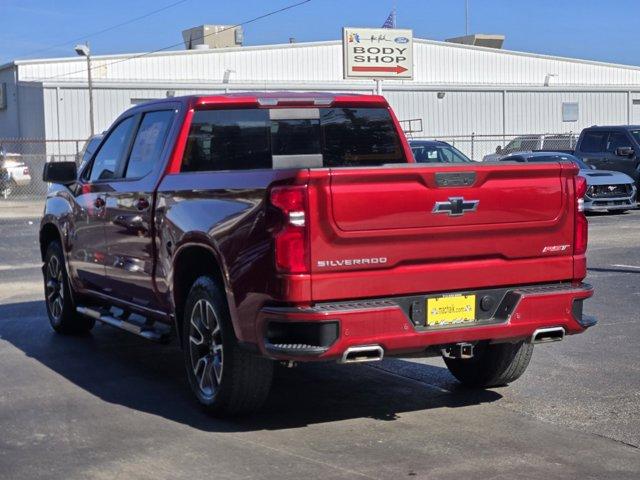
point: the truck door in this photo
(620, 163)
(592, 148)
(129, 212)
(88, 246)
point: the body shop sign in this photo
(377, 53)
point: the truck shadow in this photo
(122, 369)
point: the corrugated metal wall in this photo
(486, 91)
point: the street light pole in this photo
(84, 51)
(90, 82)
(466, 17)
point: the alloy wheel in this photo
(205, 348)
(55, 288)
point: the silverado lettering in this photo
(349, 262)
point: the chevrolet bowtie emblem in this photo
(456, 206)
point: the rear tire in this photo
(59, 298)
(492, 365)
(226, 379)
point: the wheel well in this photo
(48, 233)
(191, 263)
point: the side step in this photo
(154, 331)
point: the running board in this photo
(155, 331)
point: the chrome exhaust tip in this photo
(363, 353)
(547, 335)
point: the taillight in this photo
(581, 228)
(292, 239)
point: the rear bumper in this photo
(326, 331)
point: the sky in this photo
(603, 30)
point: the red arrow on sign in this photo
(397, 69)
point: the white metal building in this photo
(457, 89)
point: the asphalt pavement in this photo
(111, 405)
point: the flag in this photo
(390, 22)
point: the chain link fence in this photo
(490, 147)
(22, 161)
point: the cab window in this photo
(149, 143)
(112, 152)
(617, 140)
(593, 142)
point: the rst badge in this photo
(456, 206)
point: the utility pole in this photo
(84, 51)
(466, 17)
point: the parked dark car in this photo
(612, 148)
(606, 190)
(435, 151)
(297, 227)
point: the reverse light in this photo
(581, 226)
(292, 239)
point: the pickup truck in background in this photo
(614, 148)
(523, 143)
(266, 227)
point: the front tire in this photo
(59, 299)
(492, 365)
(226, 379)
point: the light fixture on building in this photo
(548, 77)
(441, 95)
(227, 75)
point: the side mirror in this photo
(625, 151)
(64, 173)
(499, 149)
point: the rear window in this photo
(248, 139)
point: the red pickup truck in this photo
(297, 227)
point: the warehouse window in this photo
(570, 112)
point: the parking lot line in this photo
(21, 266)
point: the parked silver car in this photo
(525, 143)
(13, 173)
(606, 190)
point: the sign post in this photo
(377, 53)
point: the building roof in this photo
(435, 62)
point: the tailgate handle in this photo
(455, 179)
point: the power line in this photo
(104, 30)
(133, 57)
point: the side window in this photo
(513, 145)
(593, 142)
(106, 162)
(228, 140)
(149, 143)
(615, 140)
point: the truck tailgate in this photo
(377, 231)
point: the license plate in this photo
(451, 310)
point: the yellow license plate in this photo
(451, 310)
